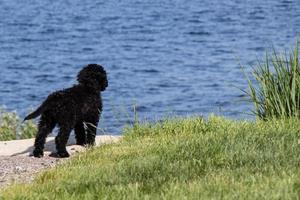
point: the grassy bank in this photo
(181, 159)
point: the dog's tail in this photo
(35, 113)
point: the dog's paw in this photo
(90, 141)
(38, 153)
(63, 154)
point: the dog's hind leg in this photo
(45, 126)
(80, 134)
(61, 140)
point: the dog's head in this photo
(93, 76)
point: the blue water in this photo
(166, 57)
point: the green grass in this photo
(276, 89)
(12, 128)
(181, 159)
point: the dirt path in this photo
(22, 169)
(18, 166)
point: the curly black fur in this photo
(78, 108)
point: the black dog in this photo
(78, 108)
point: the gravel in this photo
(23, 169)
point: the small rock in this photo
(19, 169)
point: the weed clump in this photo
(274, 87)
(12, 128)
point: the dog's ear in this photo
(93, 76)
(104, 82)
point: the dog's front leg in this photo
(91, 132)
(80, 133)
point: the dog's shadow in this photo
(49, 147)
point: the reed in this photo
(274, 87)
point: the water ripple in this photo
(163, 56)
